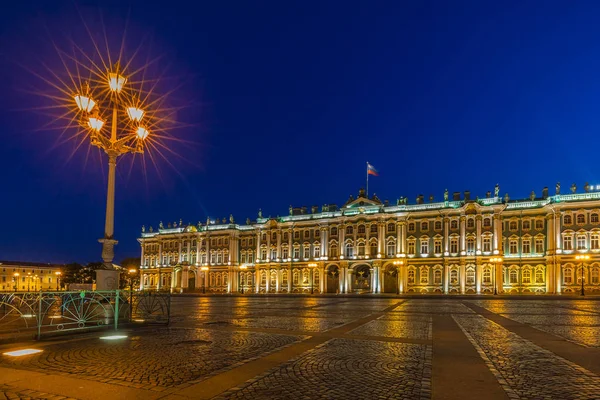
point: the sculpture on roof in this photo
(151, 229)
(143, 228)
(497, 190)
(587, 187)
(573, 188)
(161, 226)
(169, 225)
(247, 221)
(431, 198)
(291, 209)
(231, 220)
(506, 198)
(260, 213)
(532, 196)
(446, 195)
(557, 187)
(180, 222)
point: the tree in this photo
(127, 278)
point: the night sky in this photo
(286, 101)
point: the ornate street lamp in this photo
(132, 273)
(16, 278)
(582, 258)
(495, 261)
(58, 274)
(398, 263)
(127, 134)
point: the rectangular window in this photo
(317, 252)
(296, 252)
(285, 253)
(487, 276)
(539, 224)
(411, 247)
(470, 245)
(595, 242)
(470, 277)
(437, 246)
(512, 248)
(437, 277)
(317, 233)
(424, 246)
(306, 252)
(539, 246)
(263, 254)
(487, 244)
(567, 243)
(581, 243)
(273, 254)
(391, 249)
(424, 276)
(526, 246)
(453, 245)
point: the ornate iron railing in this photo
(51, 312)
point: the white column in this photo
(259, 233)
(278, 247)
(497, 233)
(557, 230)
(446, 235)
(398, 238)
(373, 279)
(463, 234)
(381, 239)
(342, 235)
(322, 278)
(478, 272)
(446, 278)
(324, 242)
(207, 249)
(257, 279)
(403, 225)
(478, 243)
(268, 251)
(462, 278)
(289, 284)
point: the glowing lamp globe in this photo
(116, 82)
(135, 113)
(95, 123)
(142, 133)
(84, 103)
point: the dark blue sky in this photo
(290, 99)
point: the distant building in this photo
(29, 276)
(446, 247)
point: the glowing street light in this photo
(16, 278)
(58, 274)
(582, 258)
(125, 136)
(312, 267)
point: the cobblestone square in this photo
(333, 347)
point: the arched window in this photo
(373, 249)
(568, 276)
(437, 225)
(512, 225)
(470, 223)
(470, 277)
(411, 227)
(424, 226)
(263, 277)
(526, 275)
(487, 222)
(361, 249)
(284, 278)
(513, 277)
(273, 278)
(454, 224)
(567, 220)
(391, 227)
(594, 218)
(373, 228)
(453, 277)
(349, 250)
(437, 277)
(595, 276)
(539, 276)
(316, 277)
(411, 277)
(361, 229)
(580, 219)
(333, 250)
(349, 230)
(296, 277)
(334, 231)
(487, 276)
(471, 245)
(424, 275)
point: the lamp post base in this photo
(107, 279)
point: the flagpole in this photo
(367, 179)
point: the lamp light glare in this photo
(23, 352)
(113, 337)
(95, 123)
(116, 82)
(84, 103)
(142, 132)
(135, 113)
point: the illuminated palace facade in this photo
(457, 246)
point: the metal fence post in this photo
(39, 317)
(117, 309)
